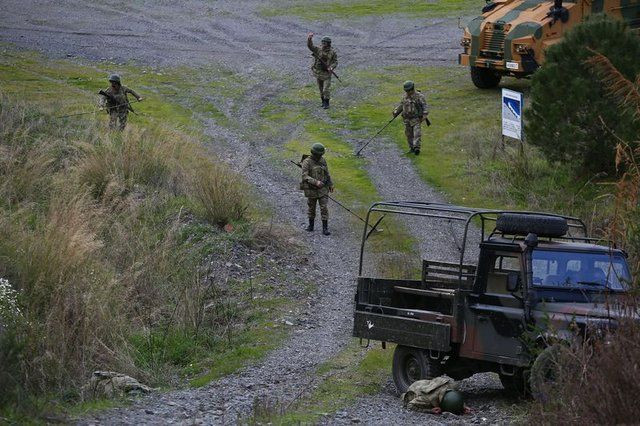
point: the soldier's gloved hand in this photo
(101, 108)
(140, 99)
(436, 410)
(310, 36)
(331, 189)
(319, 184)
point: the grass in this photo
(90, 219)
(351, 374)
(349, 9)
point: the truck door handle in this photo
(483, 318)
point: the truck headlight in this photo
(523, 49)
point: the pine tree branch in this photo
(623, 90)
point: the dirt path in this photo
(233, 33)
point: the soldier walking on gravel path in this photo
(414, 110)
(316, 184)
(116, 101)
(325, 60)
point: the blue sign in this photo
(512, 114)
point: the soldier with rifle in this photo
(115, 100)
(413, 108)
(325, 61)
(316, 184)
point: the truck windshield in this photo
(582, 270)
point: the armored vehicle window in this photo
(589, 271)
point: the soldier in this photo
(117, 102)
(325, 61)
(413, 108)
(316, 183)
(435, 396)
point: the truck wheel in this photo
(522, 224)
(516, 385)
(544, 372)
(411, 365)
(484, 78)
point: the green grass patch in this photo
(353, 373)
(349, 9)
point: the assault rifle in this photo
(113, 100)
(324, 64)
(373, 227)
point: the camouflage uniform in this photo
(315, 170)
(414, 110)
(118, 108)
(427, 394)
(323, 75)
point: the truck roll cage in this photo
(465, 215)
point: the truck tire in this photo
(523, 224)
(410, 365)
(485, 78)
(544, 372)
(516, 385)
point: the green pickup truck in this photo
(539, 280)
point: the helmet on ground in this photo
(326, 39)
(317, 149)
(453, 402)
(408, 85)
(114, 78)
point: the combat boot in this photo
(325, 227)
(310, 226)
(323, 101)
(325, 105)
(416, 151)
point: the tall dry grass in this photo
(90, 226)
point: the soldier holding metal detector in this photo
(115, 100)
(316, 184)
(414, 110)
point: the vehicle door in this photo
(498, 313)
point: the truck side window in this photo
(507, 264)
(497, 277)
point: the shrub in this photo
(89, 239)
(568, 101)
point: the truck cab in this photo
(538, 279)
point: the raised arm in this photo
(310, 45)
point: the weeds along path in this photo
(270, 55)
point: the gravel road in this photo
(235, 35)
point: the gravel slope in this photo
(232, 33)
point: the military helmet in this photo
(408, 85)
(453, 402)
(326, 39)
(114, 78)
(317, 149)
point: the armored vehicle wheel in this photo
(411, 365)
(517, 384)
(544, 372)
(484, 78)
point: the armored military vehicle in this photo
(538, 281)
(510, 36)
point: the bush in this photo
(597, 383)
(90, 240)
(568, 100)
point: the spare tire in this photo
(523, 224)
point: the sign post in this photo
(512, 104)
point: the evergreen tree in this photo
(569, 102)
